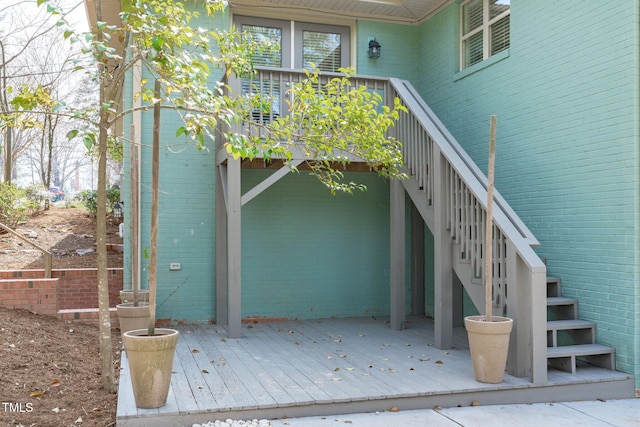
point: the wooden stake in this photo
(155, 185)
(488, 239)
(133, 220)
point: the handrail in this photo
(48, 258)
(456, 154)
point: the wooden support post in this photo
(222, 315)
(417, 262)
(234, 248)
(527, 355)
(443, 259)
(397, 255)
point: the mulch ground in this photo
(50, 369)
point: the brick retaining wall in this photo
(70, 294)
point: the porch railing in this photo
(450, 192)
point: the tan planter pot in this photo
(127, 296)
(489, 344)
(150, 365)
(132, 318)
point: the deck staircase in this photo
(449, 191)
(571, 341)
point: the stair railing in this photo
(441, 170)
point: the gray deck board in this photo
(295, 373)
(337, 366)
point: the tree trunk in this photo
(104, 316)
(106, 356)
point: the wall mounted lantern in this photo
(374, 49)
(117, 210)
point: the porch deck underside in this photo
(337, 366)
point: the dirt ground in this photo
(68, 233)
(49, 369)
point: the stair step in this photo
(574, 331)
(566, 357)
(561, 301)
(561, 308)
(555, 325)
(553, 287)
(579, 350)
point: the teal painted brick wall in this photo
(566, 97)
(308, 254)
(399, 43)
(186, 214)
(186, 226)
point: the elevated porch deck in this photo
(338, 366)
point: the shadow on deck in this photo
(337, 366)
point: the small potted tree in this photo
(489, 334)
(150, 351)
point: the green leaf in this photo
(72, 134)
(89, 140)
(157, 43)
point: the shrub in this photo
(113, 196)
(90, 199)
(37, 196)
(12, 204)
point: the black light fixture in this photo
(117, 210)
(374, 49)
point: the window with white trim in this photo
(300, 43)
(484, 30)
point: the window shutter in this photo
(471, 16)
(473, 50)
(500, 36)
(322, 49)
(267, 58)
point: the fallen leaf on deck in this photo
(204, 371)
(195, 350)
(37, 393)
(439, 362)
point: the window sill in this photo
(481, 65)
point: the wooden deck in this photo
(337, 366)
